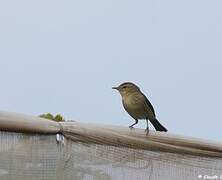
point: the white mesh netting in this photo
(27, 157)
(98, 152)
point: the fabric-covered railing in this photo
(110, 135)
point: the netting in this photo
(83, 155)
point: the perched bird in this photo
(138, 106)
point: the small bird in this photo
(138, 106)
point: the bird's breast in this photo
(134, 105)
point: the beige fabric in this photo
(111, 135)
(137, 138)
(16, 122)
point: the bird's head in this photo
(127, 88)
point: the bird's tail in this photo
(157, 125)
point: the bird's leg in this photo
(136, 121)
(147, 127)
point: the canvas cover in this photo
(30, 149)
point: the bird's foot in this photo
(131, 127)
(147, 131)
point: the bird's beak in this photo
(117, 88)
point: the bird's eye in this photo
(124, 87)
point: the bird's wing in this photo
(149, 104)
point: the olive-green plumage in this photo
(137, 105)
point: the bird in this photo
(138, 106)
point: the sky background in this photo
(64, 57)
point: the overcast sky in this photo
(64, 57)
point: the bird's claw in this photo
(147, 131)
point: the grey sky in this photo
(64, 57)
